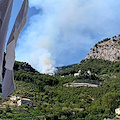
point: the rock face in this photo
(108, 49)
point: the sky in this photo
(61, 32)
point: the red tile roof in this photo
(26, 99)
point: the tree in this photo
(111, 101)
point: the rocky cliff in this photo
(108, 49)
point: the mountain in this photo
(107, 49)
(24, 72)
(23, 66)
(54, 98)
(62, 68)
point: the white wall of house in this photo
(76, 74)
(117, 111)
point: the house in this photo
(77, 74)
(79, 71)
(15, 98)
(89, 72)
(117, 111)
(24, 101)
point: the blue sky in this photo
(61, 32)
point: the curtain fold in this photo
(8, 82)
(5, 13)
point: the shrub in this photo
(8, 109)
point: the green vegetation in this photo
(104, 40)
(97, 66)
(60, 69)
(56, 102)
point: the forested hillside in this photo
(96, 66)
(53, 100)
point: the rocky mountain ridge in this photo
(108, 49)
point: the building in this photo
(89, 72)
(15, 98)
(77, 74)
(117, 111)
(24, 101)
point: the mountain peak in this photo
(107, 49)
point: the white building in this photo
(24, 101)
(117, 111)
(77, 74)
(89, 72)
(15, 98)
